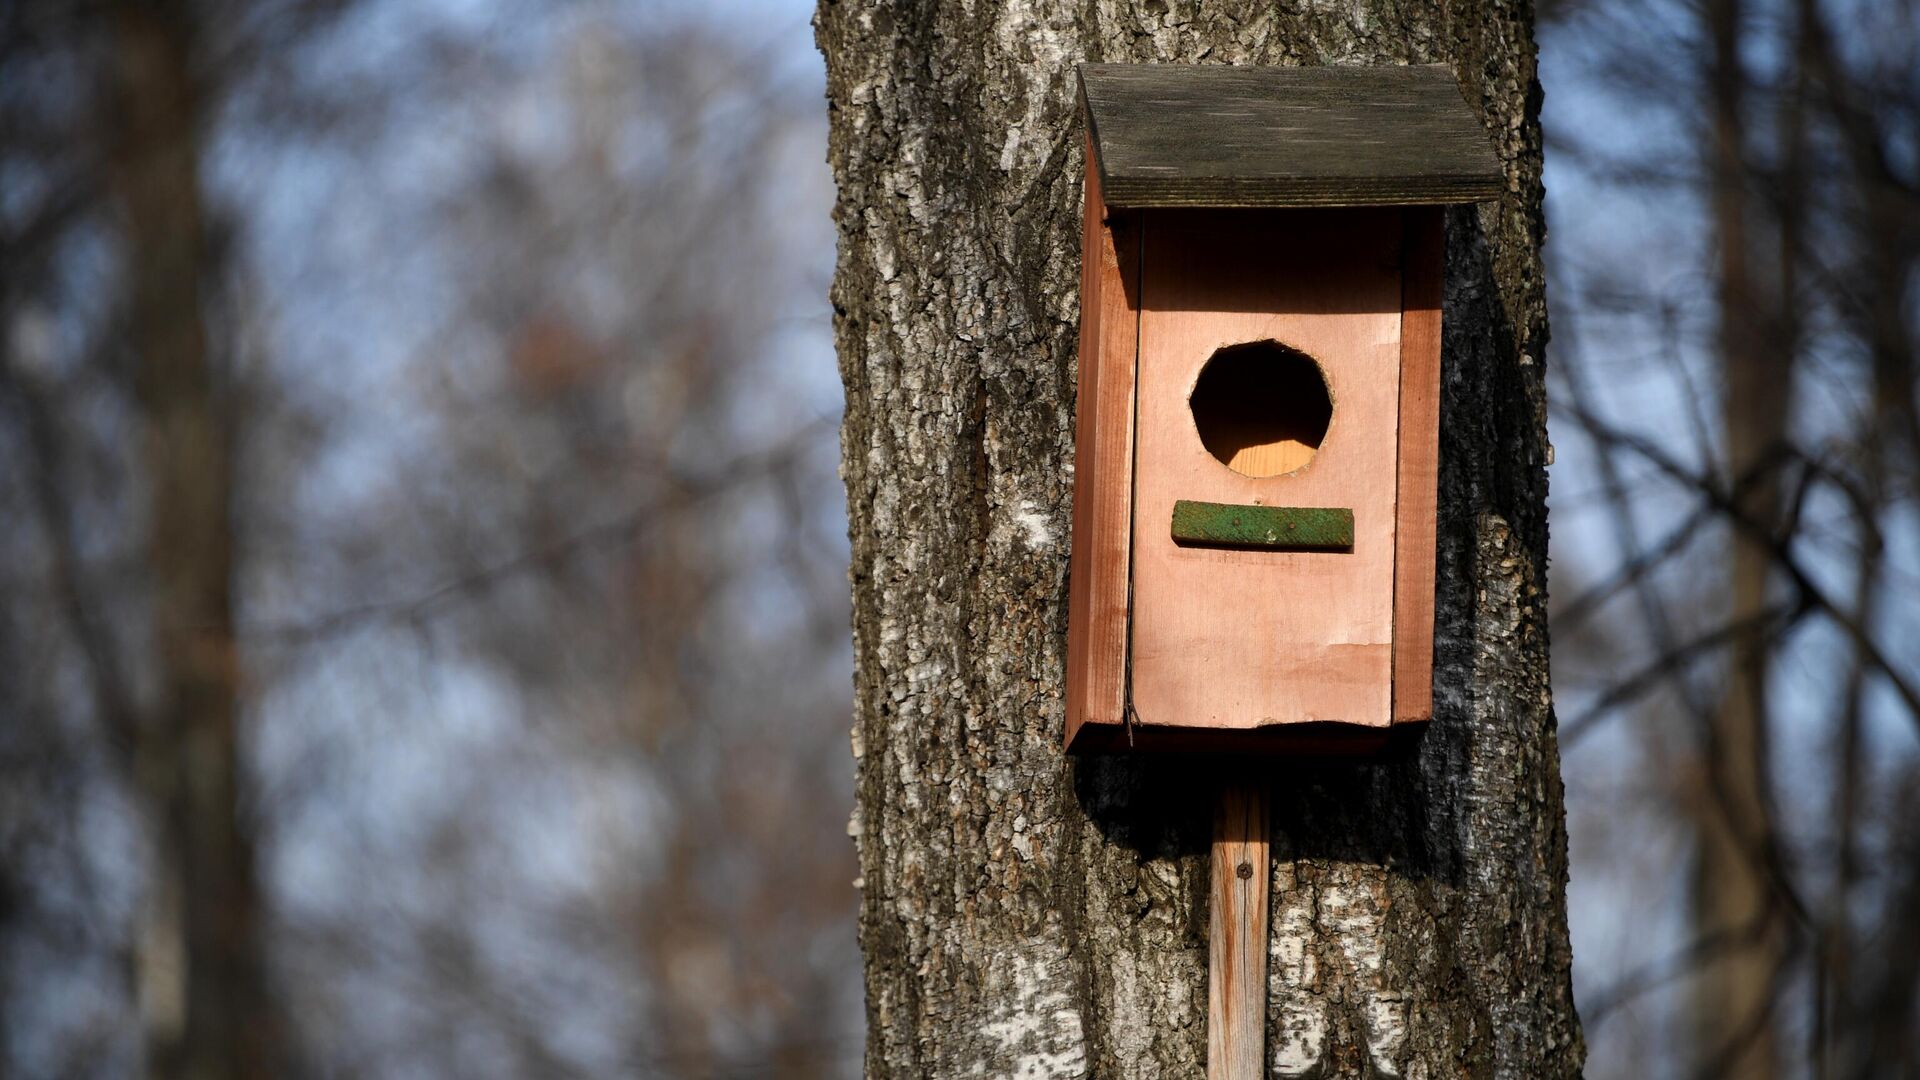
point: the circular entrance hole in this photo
(1261, 408)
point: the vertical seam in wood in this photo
(1127, 713)
(1395, 690)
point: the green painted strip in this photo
(1270, 528)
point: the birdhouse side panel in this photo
(1103, 467)
(1422, 268)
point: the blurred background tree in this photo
(424, 636)
(1736, 189)
(425, 622)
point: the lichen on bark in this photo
(1027, 915)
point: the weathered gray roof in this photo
(1187, 135)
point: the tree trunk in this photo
(1029, 915)
(201, 984)
(1732, 896)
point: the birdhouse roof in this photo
(1187, 135)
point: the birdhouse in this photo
(1258, 420)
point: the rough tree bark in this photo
(1027, 915)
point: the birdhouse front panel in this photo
(1258, 417)
(1268, 416)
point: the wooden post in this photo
(1237, 935)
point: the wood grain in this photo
(1187, 135)
(1237, 934)
(1097, 599)
(1423, 254)
(1263, 639)
(1271, 458)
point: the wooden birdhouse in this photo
(1258, 419)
